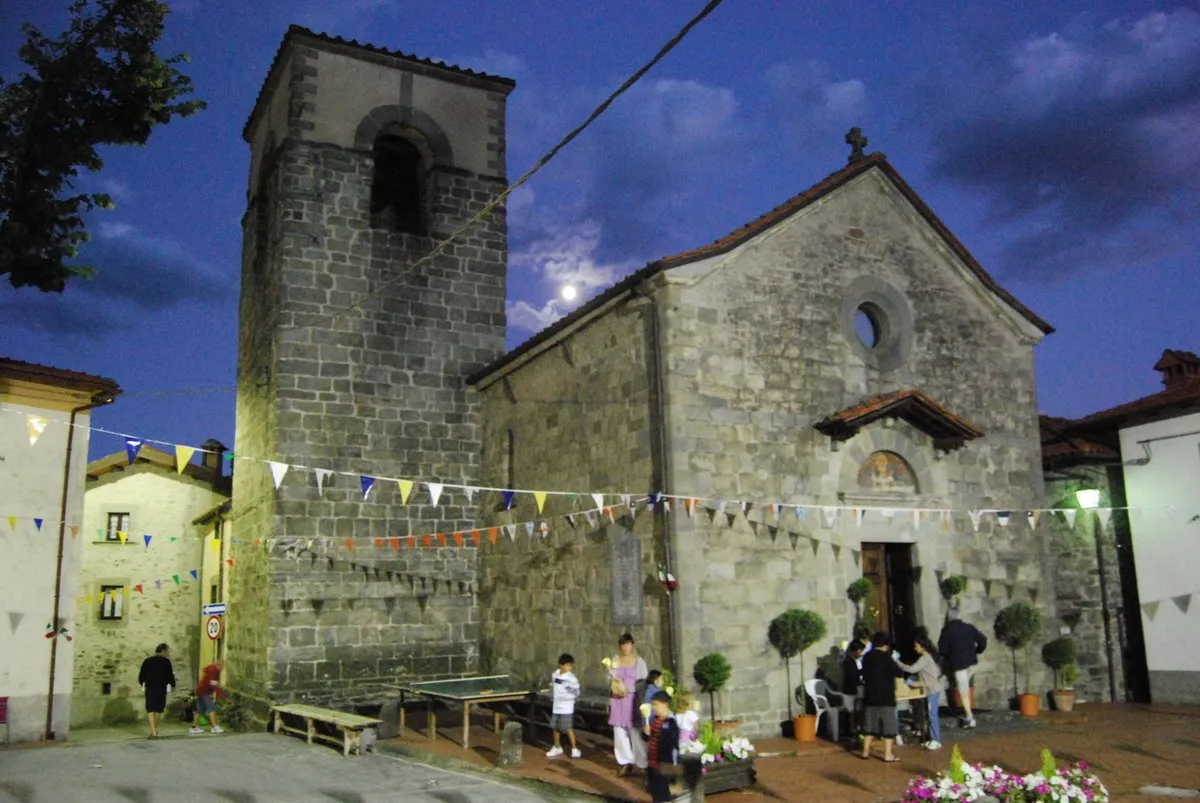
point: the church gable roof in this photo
(947, 430)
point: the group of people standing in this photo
(157, 678)
(870, 668)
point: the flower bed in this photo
(721, 764)
(978, 782)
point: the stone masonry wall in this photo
(111, 652)
(580, 415)
(367, 377)
(1077, 583)
(758, 352)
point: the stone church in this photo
(843, 356)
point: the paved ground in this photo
(250, 768)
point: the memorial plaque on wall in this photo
(625, 559)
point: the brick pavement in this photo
(1129, 747)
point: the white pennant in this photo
(720, 507)
(36, 425)
(666, 503)
(831, 514)
(625, 499)
(278, 470)
(591, 519)
(1105, 513)
(1070, 514)
(470, 492)
(976, 516)
(859, 513)
(322, 474)
(529, 528)
(511, 531)
(599, 500)
(435, 491)
(916, 519)
(1002, 517)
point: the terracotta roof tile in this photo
(948, 430)
(57, 377)
(1185, 393)
(298, 31)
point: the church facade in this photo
(836, 389)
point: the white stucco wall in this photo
(31, 484)
(1167, 492)
(163, 505)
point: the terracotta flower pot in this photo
(1030, 705)
(1064, 699)
(805, 726)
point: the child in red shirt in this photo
(207, 691)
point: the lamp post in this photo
(1089, 499)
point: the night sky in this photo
(1059, 140)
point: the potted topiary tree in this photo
(952, 587)
(791, 633)
(1059, 654)
(858, 591)
(712, 673)
(1016, 626)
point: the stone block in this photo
(512, 745)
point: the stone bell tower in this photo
(353, 360)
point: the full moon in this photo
(568, 292)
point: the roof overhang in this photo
(947, 430)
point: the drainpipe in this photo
(98, 400)
(656, 354)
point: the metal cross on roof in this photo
(856, 141)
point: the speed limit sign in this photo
(213, 627)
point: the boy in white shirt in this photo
(565, 688)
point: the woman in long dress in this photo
(626, 669)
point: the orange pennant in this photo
(441, 539)
(379, 543)
(395, 544)
(475, 536)
(229, 561)
(492, 533)
(350, 544)
(74, 530)
(458, 539)
(427, 540)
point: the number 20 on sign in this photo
(213, 627)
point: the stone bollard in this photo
(512, 742)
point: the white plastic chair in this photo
(818, 691)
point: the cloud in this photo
(1084, 143)
(811, 106)
(136, 274)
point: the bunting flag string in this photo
(36, 425)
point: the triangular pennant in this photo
(831, 514)
(1032, 517)
(689, 505)
(1002, 516)
(379, 543)
(350, 544)
(947, 519)
(802, 514)
(405, 487)
(441, 539)
(132, 448)
(854, 555)
(175, 577)
(1105, 513)
(1150, 608)
(529, 528)
(367, 484)
(278, 470)
(411, 540)
(470, 492)
(599, 500)
(508, 499)
(195, 573)
(458, 539)
(540, 498)
(475, 537)
(1033, 595)
(36, 426)
(146, 540)
(1069, 514)
(395, 544)
(492, 533)
(837, 551)
(858, 516)
(976, 517)
(124, 536)
(666, 505)
(12, 522)
(74, 528)
(215, 543)
(511, 531)
(987, 588)
(435, 492)
(591, 519)
(816, 546)
(773, 531)
(746, 508)
(158, 584)
(14, 620)
(139, 588)
(794, 538)
(321, 474)
(38, 523)
(125, 592)
(652, 500)
(183, 456)
(1182, 602)
(570, 517)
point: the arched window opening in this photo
(396, 197)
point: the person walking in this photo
(625, 670)
(207, 691)
(566, 689)
(879, 680)
(157, 678)
(933, 683)
(961, 644)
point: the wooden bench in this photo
(351, 726)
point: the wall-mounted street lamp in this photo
(1089, 499)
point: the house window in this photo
(396, 186)
(112, 599)
(117, 522)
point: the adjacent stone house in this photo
(140, 547)
(844, 351)
(1143, 456)
(44, 432)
